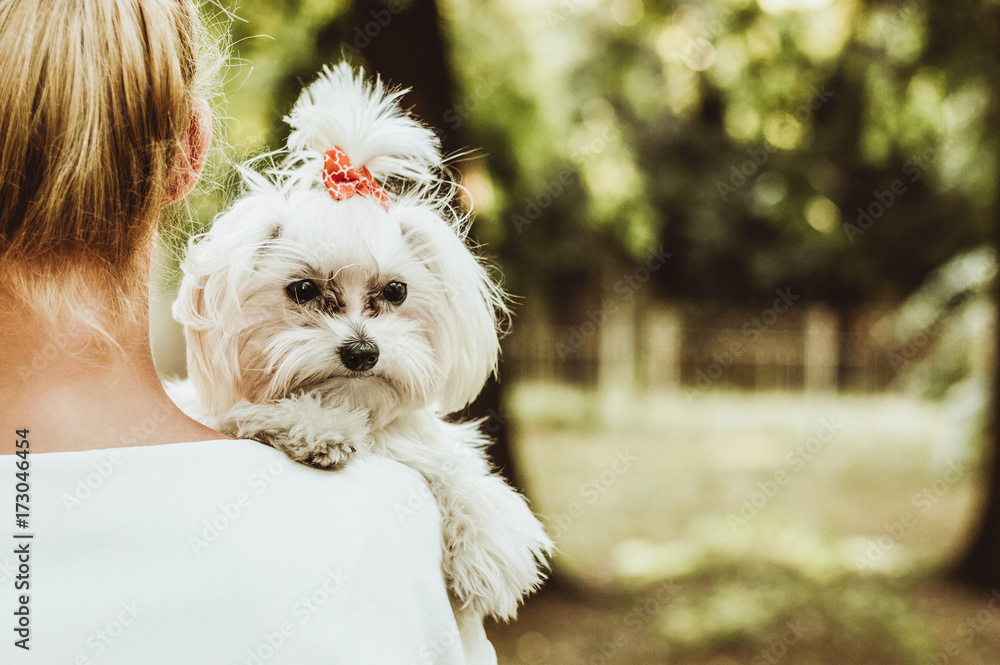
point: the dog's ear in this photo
(467, 343)
(217, 268)
(209, 313)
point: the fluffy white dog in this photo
(335, 309)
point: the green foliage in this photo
(844, 147)
(747, 136)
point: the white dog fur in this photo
(264, 365)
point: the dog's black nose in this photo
(359, 356)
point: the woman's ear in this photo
(193, 154)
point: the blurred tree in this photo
(766, 144)
(814, 144)
(841, 148)
(980, 564)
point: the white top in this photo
(226, 553)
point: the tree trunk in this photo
(406, 48)
(979, 566)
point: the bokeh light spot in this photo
(822, 214)
(699, 54)
(627, 12)
(783, 131)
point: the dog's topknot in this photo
(365, 120)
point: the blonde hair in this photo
(95, 101)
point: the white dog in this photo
(336, 309)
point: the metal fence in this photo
(697, 347)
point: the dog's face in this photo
(381, 310)
(341, 303)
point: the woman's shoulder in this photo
(371, 489)
(284, 552)
(262, 465)
(218, 483)
(363, 483)
(228, 459)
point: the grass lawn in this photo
(736, 528)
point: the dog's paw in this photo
(496, 552)
(301, 427)
(324, 454)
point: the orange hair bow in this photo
(344, 181)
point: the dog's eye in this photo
(394, 292)
(302, 291)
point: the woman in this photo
(137, 535)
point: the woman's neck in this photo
(72, 401)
